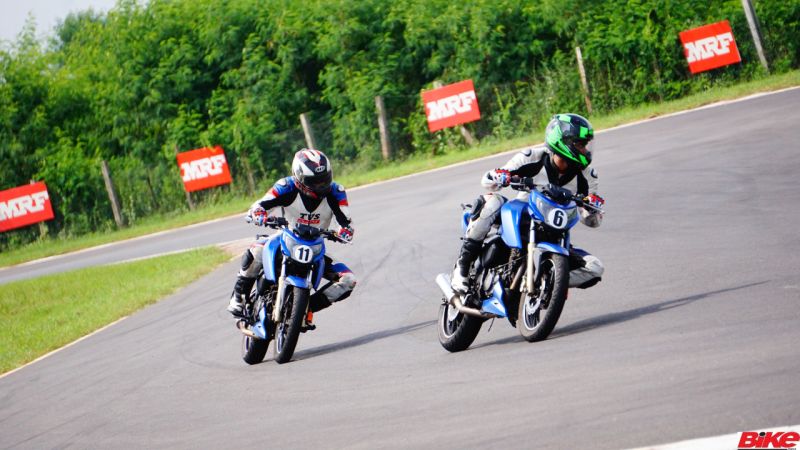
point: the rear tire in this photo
(288, 331)
(253, 349)
(538, 314)
(457, 330)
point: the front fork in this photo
(277, 311)
(535, 256)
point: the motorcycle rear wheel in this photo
(539, 311)
(254, 349)
(288, 331)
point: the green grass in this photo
(357, 175)
(46, 313)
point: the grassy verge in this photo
(43, 314)
(357, 176)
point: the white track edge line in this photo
(64, 347)
(724, 441)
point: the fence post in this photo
(583, 80)
(461, 128)
(188, 194)
(112, 195)
(383, 126)
(755, 30)
(310, 142)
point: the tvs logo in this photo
(203, 168)
(320, 169)
(769, 439)
(451, 105)
(709, 47)
(309, 218)
(24, 205)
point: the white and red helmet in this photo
(312, 172)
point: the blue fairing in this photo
(537, 214)
(259, 329)
(547, 247)
(511, 216)
(494, 304)
(294, 280)
(320, 241)
(268, 257)
(465, 221)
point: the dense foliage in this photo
(145, 80)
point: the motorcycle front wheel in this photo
(539, 311)
(288, 330)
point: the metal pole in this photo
(383, 126)
(755, 30)
(112, 195)
(308, 131)
(583, 80)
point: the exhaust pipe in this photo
(443, 281)
(242, 327)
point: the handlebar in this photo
(278, 223)
(555, 192)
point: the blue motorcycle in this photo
(522, 272)
(294, 261)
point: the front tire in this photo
(539, 311)
(457, 330)
(288, 331)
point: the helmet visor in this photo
(319, 184)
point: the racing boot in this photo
(469, 252)
(317, 302)
(240, 292)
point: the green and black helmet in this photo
(570, 135)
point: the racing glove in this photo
(501, 177)
(257, 215)
(594, 200)
(346, 234)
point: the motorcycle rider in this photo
(310, 197)
(563, 161)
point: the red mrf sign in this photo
(203, 168)
(710, 46)
(24, 205)
(451, 105)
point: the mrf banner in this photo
(710, 46)
(451, 105)
(24, 205)
(203, 168)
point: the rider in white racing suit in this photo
(564, 161)
(308, 197)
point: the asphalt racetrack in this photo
(693, 331)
